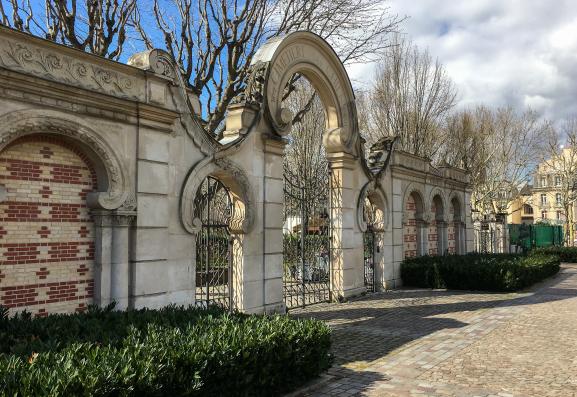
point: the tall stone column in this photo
(120, 269)
(346, 256)
(102, 256)
(273, 210)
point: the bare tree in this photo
(498, 148)
(215, 40)
(305, 163)
(410, 96)
(96, 26)
(560, 161)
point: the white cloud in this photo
(499, 52)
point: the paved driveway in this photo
(454, 343)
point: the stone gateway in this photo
(112, 191)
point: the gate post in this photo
(347, 265)
(273, 209)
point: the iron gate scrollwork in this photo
(213, 206)
(369, 245)
(306, 241)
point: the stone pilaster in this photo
(273, 209)
(120, 269)
(102, 256)
(346, 257)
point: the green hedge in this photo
(565, 254)
(169, 352)
(487, 272)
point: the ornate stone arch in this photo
(308, 54)
(234, 178)
(379, 199)
(113, 184)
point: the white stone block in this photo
(153, 178)
(151, 244)
(273, 291)
(153, 146)
(152, 211)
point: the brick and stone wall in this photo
(46, 233)
(433, 232)
(451, 230)
(410, 240)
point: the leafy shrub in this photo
(488, 272)
(565, 254)
(168, 352)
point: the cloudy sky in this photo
(499, 52)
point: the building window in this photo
(527, 209)
(558, 215)
(558, 198)
(544, 214)
(543, 181)
(557, 180)
(543, 198)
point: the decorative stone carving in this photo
(48, 64)
(428, 217)
(380, 154)
(253, 93)
(27, 122)
(123, 218)
(156, 60)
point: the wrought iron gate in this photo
(213, 206)
(369, 246)
(369, 249)
(306, 241)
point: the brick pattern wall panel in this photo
(47, 235)
(433, 233)
(451, 230)
(410, 230)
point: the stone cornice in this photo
(399, 171)
(31, 89)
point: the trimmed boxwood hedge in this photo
(565, 254)
(168, 352)
(487, 272)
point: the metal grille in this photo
(306, 242)
(484, 236)
(369, 214)
(369, 248)
(214, 209)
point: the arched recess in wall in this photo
(437, 226)
(456, 226)
(114, 190)
(413, 222)
(53, 171)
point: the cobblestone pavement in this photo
(453, 343)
